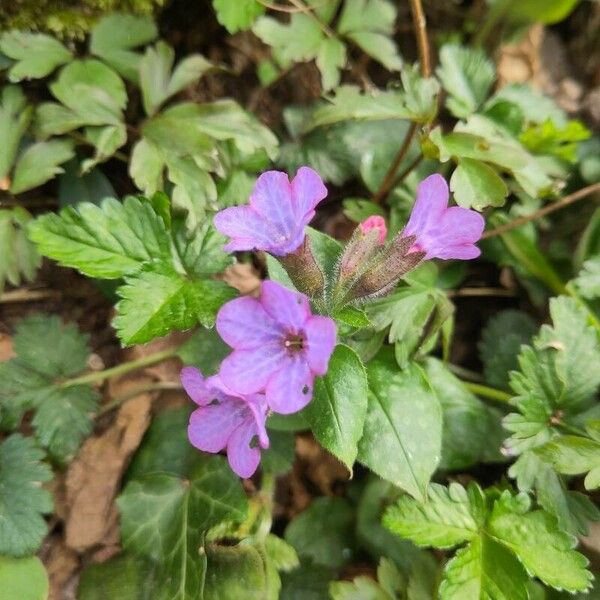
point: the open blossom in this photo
(226, 420)
(375, 222)
(442, 231)
(277, 214)
(279, 346)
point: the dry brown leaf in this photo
(6, 347)
(243, 277)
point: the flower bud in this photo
(303, 269)
(375, 223)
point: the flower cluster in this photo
(278, 345)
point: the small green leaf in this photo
(331, 58)
(338, 409)
(23, 578)
(52, 118)
(404, 420)
(549, 12)
(588, 280)
(476, 185)
(39, 163)
(36, 54)
(74, 188)
(22, 499)
(15, 116)
(359, 209)
(146, 166)
(353, 317)
(204, 350)
(236, 15)
(548, 139)
(106, 141)
(279, 457)
(281, 553)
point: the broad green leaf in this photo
(15, 116)
(472, 431)
(333, 518)
(114, 38)
(20, 260)
(331, 57)
(448, 517)
(544, 550)
(74, 188)
(404, 420)
(204, 350)
(476, 185)
(236, 15)
(484, 570)
(501, 341)
(467, 75)
(52, 118)
(23, 578)
(279, 456)
(146, 166)
(533, 11)
(106, 141)
(562, 142)
(106, 241)
(588, 280)
(22, 499)
(159, 81)
(39, 163)
(36, 54)
(124, 576)
(92, 90)
(338, 409)
(157, 300)
(535, 106)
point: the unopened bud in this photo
(375, 223)
(304, 270)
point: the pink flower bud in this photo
(375, 222)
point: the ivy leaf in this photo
(22, 499)
(47, 350)
(501, 341)
(404, 420)
(15, 116)
(467, 75)
(159, 81)
(237, 15)
(36, 54)
(449, 517)
(588, 280)
(339, 406)
(20, 260)
(157, 300)
(39, 163)
(166, 519)
(23, 578)
(476, 185)
(114, 38)
(106, 241)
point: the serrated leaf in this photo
(22, 499)
(333, 518)
(114, 37)
(15, 116)
(450, 516)
(476, 185)
(23, 578)
(36, 54)
(404, 420)
(420, 94)
(108, 241)
(20, 260)
(338, 409)
(467, 75)
(157, 300)
(166, 519)
(588, 280)
(236, 15)
(39, 163)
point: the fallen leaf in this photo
(244, 278)
(6, 347)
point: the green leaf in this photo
(74, 188)
(467, 75)
(36, 54)
(159, 81)
(308, 582)
(124, 576)
(236, 15)
(166, 519)
(420, 94)
(115, 36)
(391, 586)
(352, 316)
(92, 90)
(333, 518)
(20, 260)
(281, 553)
(52, 118)
(108, 241)
(39, 163)
(544, 550)
(549, 139)
(359, 209)
(22, 499)
(472, 431)
(588, 280)
(23, 578)
(338, 409)
(501, 341)
(404, 420)
(15, 116)
(157, 300)
(476, 185)
(484, 570)
(450, 516)
(279, 457)
(106, 141)
(330, 59)
(532, 11)
(204, 350)
(146, 166)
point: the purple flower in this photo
(226, 420)
(279, 346)
(442, 232)
(274, 220)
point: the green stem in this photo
(132, 365)
(267, 492)
(157, 386)
(487, 392)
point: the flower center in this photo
(294, 342)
